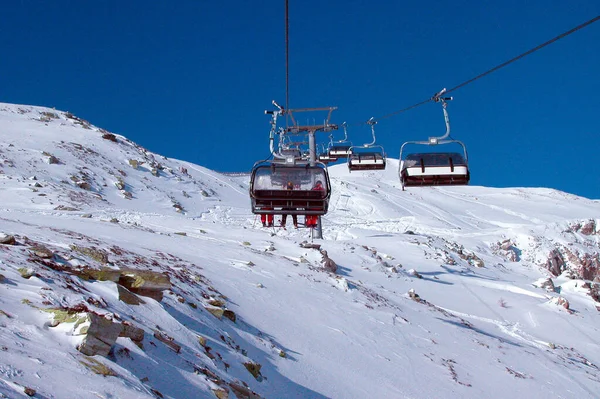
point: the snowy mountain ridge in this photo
(440, 292)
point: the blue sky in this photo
(191, 79)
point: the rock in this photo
(560, 301)
(230, 315)
(26, 272)
(41, 252)
(84, 185)
(413, 295)
(102, 274)
(221, 393)
(165, 339)
(216, 302)
(145, 282)
(588, 228)
(7, 239)
(132, 332)
(242, 392)
(110, 137)
(101, 335)
(128, 297)
(305, 244)
(555, 263)
(254, 369)
(65, 208)
(215, 311)
(545, 283)
(414, 273)
(98, 255)
(329, 265)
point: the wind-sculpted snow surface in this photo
(443, 292)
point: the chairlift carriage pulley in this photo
(368, 156)
(435, 168)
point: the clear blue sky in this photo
(191, 79)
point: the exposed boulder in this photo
(243, 392)
(328, 263)
(412, 294)
(555, 263)
(102, 274)
(101, 333)
(128, 297)
(7, 239)
(560, 301)
(132, 332)
(588, 228)
(507, 250)
(41, 252)
(145, 282)
(110, 137)
(97, 254)
(414, 273)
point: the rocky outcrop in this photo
(586, 266)
(507, 250)
(586, 228)
(555, 263)
(100, 331)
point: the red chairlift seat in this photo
(269, 195)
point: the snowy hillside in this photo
(124, 274)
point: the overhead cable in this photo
(567, 33)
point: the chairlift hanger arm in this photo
(439, 99)
(372, 122)
(274, 116)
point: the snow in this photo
(476, 325)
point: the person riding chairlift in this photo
(311, 220)
(289, 186)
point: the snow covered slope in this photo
(439, 292)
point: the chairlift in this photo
(324, 156)
(271, 195)
(435, 168)
(270, 190)
(368, 156)
(339, 149)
